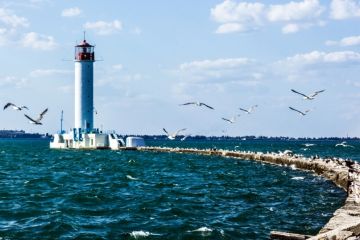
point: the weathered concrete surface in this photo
(345, 224)
(287, 236)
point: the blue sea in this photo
(99, 194)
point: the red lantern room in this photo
(84, 52)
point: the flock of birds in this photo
(306, 97)
(36, 121)
(172, 136)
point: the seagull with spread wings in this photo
(308, 97)
(172, 136)
(199, 104)
(343, 144)
(298, 111)
(250, 110)
(15, 107)
(37, 121)
(231, 120)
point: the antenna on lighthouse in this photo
(61, 121)
(84, 34)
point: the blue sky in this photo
(158, 54)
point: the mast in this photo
(61, 121)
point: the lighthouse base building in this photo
(84, 135)
(94, 141)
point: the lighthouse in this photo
(84, 135)
(84, 87)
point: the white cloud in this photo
(9, 26)
(12, 20)
(343, 9)
(316, 57)
(12, 81)
(230, 27)
(239, 16)
(219, 70)
(7, 80)
(347, 41)
(296, 27)
(5, 36)
(118, 66)
(71, 12)
(49, 72)
(222, 63)
(104, 28)
(331, 43)
(38, 41)
(230, 11)
(119, 80)
(295, 11)
(291, 28)
(244, 16)
(318, 67)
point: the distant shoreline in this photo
(23, 134)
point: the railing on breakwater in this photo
(345, 224)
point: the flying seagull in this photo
(343, 144)
(250, 110)
(37, 121)
(308, 97)
(172, 136)
(302, 113)
(15, 107)
(199, 104)
(231, 120)
(185, 137)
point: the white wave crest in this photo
(130, 177)
(139, 234)
(202, 229)
(297, 178)
(309, 144)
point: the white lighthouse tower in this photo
(84, 87)
(84, 135)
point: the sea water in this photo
(99, 194)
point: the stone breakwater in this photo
(345, 224)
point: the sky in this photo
(153, 56)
